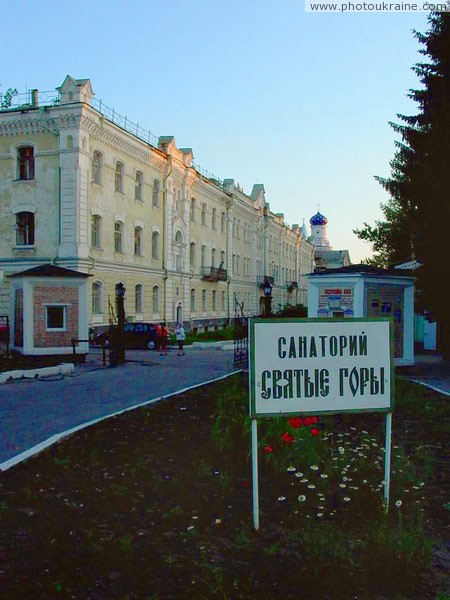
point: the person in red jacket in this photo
(163, 334)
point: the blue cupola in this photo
(318, 219)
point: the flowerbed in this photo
(157, 503)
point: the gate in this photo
(240, 335)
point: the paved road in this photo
(32, 411)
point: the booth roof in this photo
(48, 270)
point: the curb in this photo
(15, 460)
(62, 369)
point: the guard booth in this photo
(362, 291)
(48, 311)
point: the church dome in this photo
(318, 219)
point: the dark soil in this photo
(146, 505)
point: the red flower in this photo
(268, 449)
(308, 421)
(296, 422)
(287, 438)
(315, 420)
(315, 431)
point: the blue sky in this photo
(263, 92)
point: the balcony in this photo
(261, 280)
(214, 274)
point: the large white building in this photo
(83, 188)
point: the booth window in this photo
(56, 317)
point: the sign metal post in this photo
(255, 474)
(317, 367)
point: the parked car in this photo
(136, 335)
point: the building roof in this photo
(48, 270)
(362, 269)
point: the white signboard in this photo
(320, 366)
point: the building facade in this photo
(85, 189)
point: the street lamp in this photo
(120, 295)
(267, 298)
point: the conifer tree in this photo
(417, 214)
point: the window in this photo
(178, 203)
(214, 300)
(155, 299)
(204, 300)
(156, 191)
(213, 257)
(192, 255)
(222, 222)
(118, 236)
(192, 300)
(25, 163)
(118, 186)
(203, 214)
(222, 259)
(138, 241)
(139, 298)
(138, 185)
(55, 317)
(97, 298)
(193, 207)
(214, 218)
(203, 258)
(25, 229)
(223, 301)
(96, 229)
(97, 161)
(155, 244)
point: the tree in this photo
(417, 214)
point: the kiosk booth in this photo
(364, 291)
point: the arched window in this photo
(223, 301)
(97, 163)
(118, 236)
(192, 300)
(24, 229)
(179, 237)
(139, 298)
(156, 191)
(204, 300)
(203, 258)
(138, 241)
(222, 259)
(155, 299)
(222, 222)
(214, 300)
(192, 255)
(213, 257)
(138, 185)
(97, 298)
(155, 244)
(96, 231)
(213, 218)
(203, 214)
(119, 176)
(193, 207)
(69, 142)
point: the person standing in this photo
(163, 334)
(180, 335)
